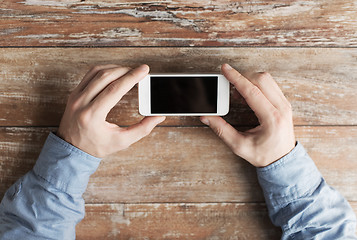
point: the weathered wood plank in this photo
(177, 221)
(178, 23)
(320, 83)
(185, 165)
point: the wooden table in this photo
(181, 182)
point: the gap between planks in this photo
(182, 46)
(321, 92)
(180, 172)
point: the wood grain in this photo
(177, 221)
(38, 81)
(178, 23)
(180, 182)
(187, 164)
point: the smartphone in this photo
(184, 95)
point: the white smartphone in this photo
(184, 95)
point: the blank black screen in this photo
(183, 94)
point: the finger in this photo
(89, 75)
(225, 131)
(111, 95)
(137, 131)
(102, 79)
(252, 94)
(269, 87)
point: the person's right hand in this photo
(84, 122)
(274, 137)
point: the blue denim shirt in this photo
(47, 202)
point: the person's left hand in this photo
(84, 122)
(274, 137)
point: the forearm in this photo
(300, 201)
(47, 202)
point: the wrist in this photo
(283, 156)
(289, 177)
(65, 166)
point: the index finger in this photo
(89, 75)
(112, 93)
(252, 94)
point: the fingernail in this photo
(205, 121)
(227, 66)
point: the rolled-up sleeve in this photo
(47, 202)
(300, 201)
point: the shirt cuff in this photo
(293, 176)
(65, 166)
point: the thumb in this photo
(139, 130)
(225, 131)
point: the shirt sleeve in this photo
(300, 201)
(47, 202)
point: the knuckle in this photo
(74, 104)
(104, 73)
(84, 118)
(131, 74)
(254, 92)
(127, 69)
(264, 75)
(93, 68)
(277, 118)
(97, 68)
(276, 114)
(112, 87)
(261, 77)
(220, 130)
(287, 109)
(71, 98)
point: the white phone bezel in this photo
(222, 96)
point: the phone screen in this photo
(180, 95)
